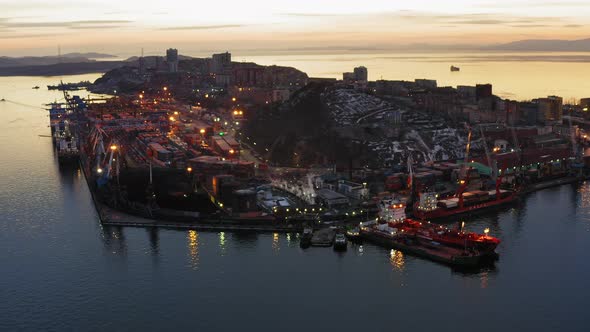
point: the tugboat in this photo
(340, 242)
(36, 87)
(305, 241)
(353, 234)
(453, 68)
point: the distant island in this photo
(545, 45)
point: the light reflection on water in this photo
(396, 258)
(193, 248)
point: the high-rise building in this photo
(220, 63)
(361, 74)
(483, 91)
(172, 60)
(348, 77)
(550, 109)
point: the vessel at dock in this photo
(425, 230)
(305, 241)
(340, 242)
(430, 207)
(410, 243)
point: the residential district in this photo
(210, 143)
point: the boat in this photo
(431, 209)
(353, 234)
(407, 242)
(340, 242)
(36, 87)
(305, 241)
(450, 237)
(453, 68)
(2, 99)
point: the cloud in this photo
(536, 4)
(314, 14)
(9, 23)
(23, 36)
(206, 27)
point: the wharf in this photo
(551, 183)
(323, 238)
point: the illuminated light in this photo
(140, 96)
(241, 112)
(231, 151)
(207, 96)
(165, 88)
(233, 99)
(486, 231)
(175, 112)
(99, 170)
(113, 147)
(585, 109)
(236, 112)
(171, 118)
(202, 131)
(220, 205)
(189, 169)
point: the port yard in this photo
(152, 160)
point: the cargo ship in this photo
(430, 207)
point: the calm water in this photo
(514, 75)
(61, 271)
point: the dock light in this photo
(585, 109)
(171, 118)
(231, 151)
(165, 88)
(175, 112)
(202, 131)
(233, 99)
(220, 205)
(236, 112)
(140, 96)
(486, 231)
(189, 169)
(207, 96)
(113, 147)
(99, 170)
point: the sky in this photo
(123, 27)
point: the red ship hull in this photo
(446, 236)
(440, 213)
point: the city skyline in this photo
(35, 28)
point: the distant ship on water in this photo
(453, 68)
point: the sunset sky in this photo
(124, 26)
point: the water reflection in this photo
(154, 237)
(193, 248)
(275, 242)
(114, 240)
(222, 242)
(397, 260)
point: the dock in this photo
(323, 237)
